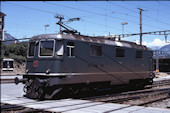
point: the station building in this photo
(164, 64)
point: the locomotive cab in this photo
(44, 56)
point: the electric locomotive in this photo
(72, 61)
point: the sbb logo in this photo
(35, 63)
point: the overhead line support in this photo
(140, 25)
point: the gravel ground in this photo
(164, 103)
(161, 104)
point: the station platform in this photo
(79, 106)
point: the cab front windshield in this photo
(46, 48)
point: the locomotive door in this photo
(151, 62)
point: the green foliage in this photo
(18, 58)
(16, 51)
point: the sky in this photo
(27, 18)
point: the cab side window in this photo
(70, 49)
(31, 49)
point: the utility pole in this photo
(166, 41)
(0, 5)
(140, 25)
(60, 21)
(165, 38)
(157, 59)
(123, 23)
(2, 16)
(45, 27)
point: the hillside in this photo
(166, 49)
(9, 37)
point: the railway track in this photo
(8, 108)
(19, 108)
(6, 81)
(65, 105)
(162, 94)
(9, 78)
(149, 88)
(136, 98)
(159, 91)
(130, 93)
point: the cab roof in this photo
(97, 39)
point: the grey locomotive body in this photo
(56, 61)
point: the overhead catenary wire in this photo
(126, 9)
(78, 9)
(100, 14)
(68, 16)
(40, 10)
(49, 12)
(143, 15)
(164, 5)
(153, 9)
(166, 32)
(109, 10)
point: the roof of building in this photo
(1, 13)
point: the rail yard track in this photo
(9, 77)
(123, 98)
(8, 108)
(158, 92)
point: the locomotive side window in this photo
(70, 49)
(46, 48)
(138, 54)
(31, 49)
(95, 50)
(120, 52)
(59, 48)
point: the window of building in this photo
(120, 52)
(138, 54)
(70, 49)
(47, 48)
(31, 49)
(95, 50)
(7, 64)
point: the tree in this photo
(16, 51)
